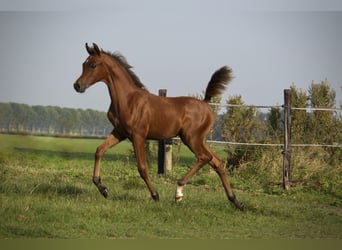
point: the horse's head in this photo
(93, 69)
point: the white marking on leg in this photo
(179, 193)
(179, 190)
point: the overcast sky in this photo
(175, 45)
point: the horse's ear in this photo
(96, 49)
(90, 51)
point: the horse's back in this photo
(171, 116)
(184, 107)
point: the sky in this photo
(175, 45)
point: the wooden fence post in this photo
(168, 155)
(287, 140)
(164, 149)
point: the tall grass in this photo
(46, 192)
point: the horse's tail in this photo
(218, 82)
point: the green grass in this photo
(46, 192)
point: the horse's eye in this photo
(92, 65)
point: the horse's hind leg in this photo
(181, 183)
(110, 141)
(203, 157)
(217, 165)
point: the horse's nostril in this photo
(77, 87)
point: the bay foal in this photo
(138, 115)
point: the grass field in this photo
(46, 192)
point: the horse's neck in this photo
(120, 87)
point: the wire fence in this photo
(245, 106)
(273, 106)
(275, 144)
(317, 109)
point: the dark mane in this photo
(123, 62)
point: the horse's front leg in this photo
(140, 154)
(110, 141)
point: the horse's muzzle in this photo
(78, 88)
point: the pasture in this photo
(46, 191)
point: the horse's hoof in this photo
(178, 199)
(240, 206)
(104, 192)
(155, 196)
(237, 203)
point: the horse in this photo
(138, 115)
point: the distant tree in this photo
(298, 117)
(275, 124)
(20, 113)
(6, 119)
(317, 126)
(325, 126)
(321, 122)
(240, 124)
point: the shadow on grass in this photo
(67, 155)
(59, 190)
(126, 197)
(20, 231)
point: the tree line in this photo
(48, 120)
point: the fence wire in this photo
(274, 144)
